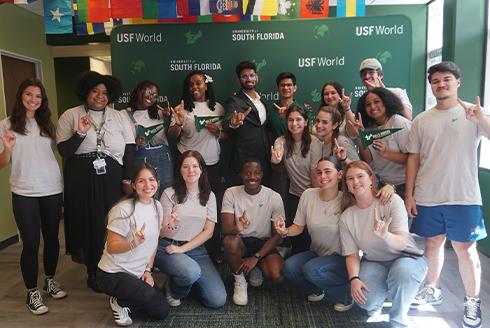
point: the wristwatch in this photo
(148, 270)
(258, 256)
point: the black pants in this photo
(300, 243)
(134, 293)
(27, 212)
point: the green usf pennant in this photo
(201, 121)
(367, 137)
(149, 133)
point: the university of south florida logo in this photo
(191, 38)
(315, 95)
(320, 30)
(260, 65)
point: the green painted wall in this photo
(25, 37)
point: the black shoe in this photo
(92, 283)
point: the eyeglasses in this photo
(370, 72)
(286, 85)
(149, 92)
(249, 76)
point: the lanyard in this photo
(98, 131)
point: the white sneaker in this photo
(346, 305)
(376, 313)
(256, 278)
(121, 315)
(428, 295)
(170, 299)
(240, 296)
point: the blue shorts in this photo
(461, 223)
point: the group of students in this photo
(170, 220)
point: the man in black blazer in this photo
(246, 119)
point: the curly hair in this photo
(305, 137)
(87, 80)
(187, 96)
(42, 114)
(134, 97)
(338, 87)
(393, 104)
(246, 64)
(336, 118)
(348, 199)
(180, 188)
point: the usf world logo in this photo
(191, 38)
(260, 65)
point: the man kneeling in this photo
(246, 223)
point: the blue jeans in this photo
(310, 271)
(161, 159)
(191, 272)
(401, 277)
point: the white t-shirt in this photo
(356, 230)
(322, 220)
(192, 214)
(117, 131)
(261, 208)
(143, 118)
(391, 172)
(34, 169)
(402, 94)
(204, 142)
(447, 143)
(120, 222)
(299, 167)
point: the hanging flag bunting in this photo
(254, 18)
(351, 8)
(167, 9)
(182, 8)
(150, 9)
(114, 22)
(260, 7)
(314, 8)
(287, 9)
(226, 18)
(139, 21)
(367, 137)
(226, 7)
(18, 2)
(57, 17)
(86, 28)
(126, 9)
(93, 11)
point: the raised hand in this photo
(282, 110)
(241, 222)
(357, 124)
(238, 118)
(165, 110)
(8, 139)
(345, 101)
(277, 153)
(174, 219)
(179, 113)
(84, 123)
(474, 113)
(340, 152)
(280, 226)
(380, 227)
(139, 236)
(380, 82)
(380, 146)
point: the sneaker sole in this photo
(465, 326)
(57, 296)
(419, 306)
(46, 310)
(256, 283)
(315, 298)
(242, 303)
(343, 308)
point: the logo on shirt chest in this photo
(456, 121)
(261, 206)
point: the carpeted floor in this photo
(270, 305)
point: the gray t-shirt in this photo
(356, 229)
(447, 143)
(135, 261)
(116, 130)
(192, 214)
(391, 172)
(34, 170)
(299, 167)
(204, 142)
(261, 208)
(322, 220)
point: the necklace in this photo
(386, 121)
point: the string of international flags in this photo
(100, 16)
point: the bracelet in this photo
(394, 187)
(126, 181)
(131, 245)
(81, 134)
(347, 110)
(219, 137)
(233, 126)
(169, 228)
(343, 160)
(181, 125)
(354, 278)
(9, 149)
(148, 270)
(287, 233)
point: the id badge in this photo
(99, 166)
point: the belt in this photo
(92, 155)
(175, 242)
